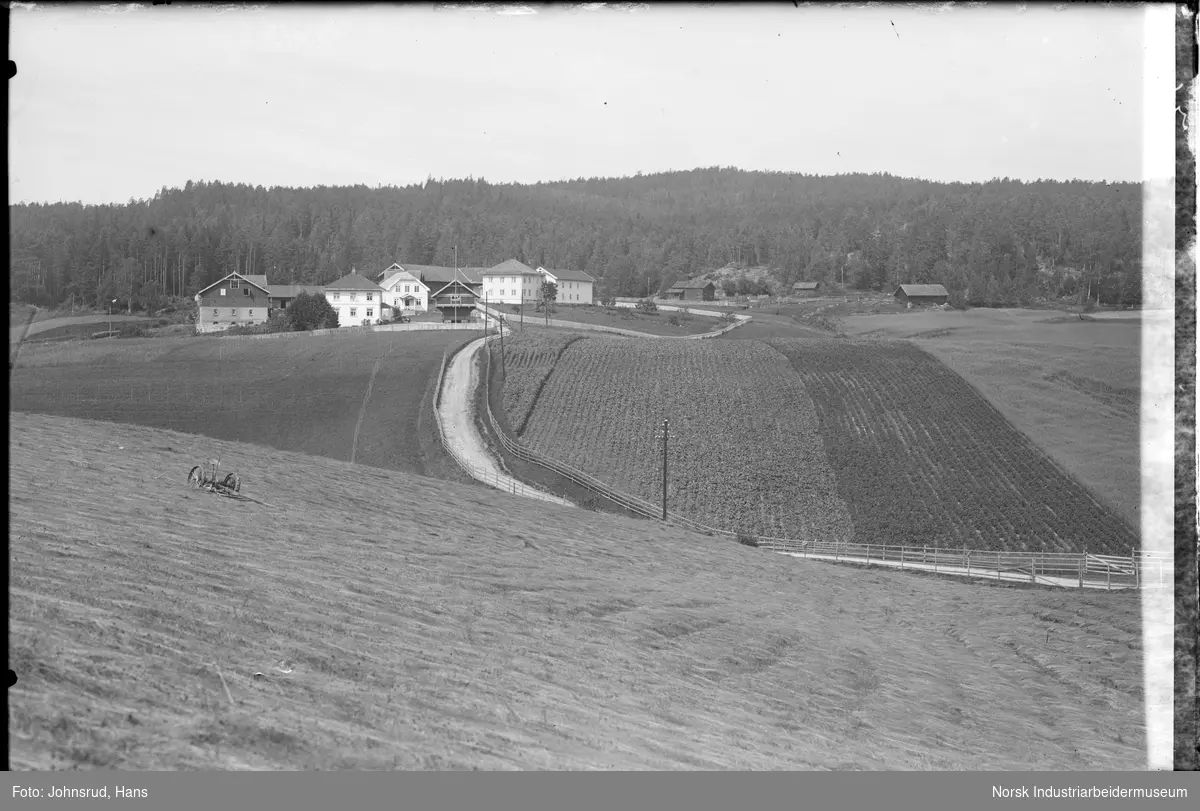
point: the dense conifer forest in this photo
(998, 243)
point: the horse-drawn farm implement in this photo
(208, 478)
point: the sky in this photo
(115, 102)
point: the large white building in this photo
(574, 286)
(357, 300)
(402, 290)
(511, 282)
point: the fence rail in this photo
(629, 333)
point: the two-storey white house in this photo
(402, 290)
(574, 286)
(511, 282)
(357, 299)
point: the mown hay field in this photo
(744, 454)
(366, 396)
(923, 459)
(520, 636)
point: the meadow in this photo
(495, 633)
(745, 451)
(364, 397)
(655, 323)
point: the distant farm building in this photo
(357, 300)
(805, 288)
(455, 300)
(283, 294)
(697, 290)
(918, 294)
(436, 277)
(574, 286)
(236, 300)
(403, 290)
(511, 282)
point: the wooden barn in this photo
(697, 290)
(236, 300)
(805, 288)
(455, 300)
(918, 294)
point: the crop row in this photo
(529, 357)
(744, 452)
(922, 459)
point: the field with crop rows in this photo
(324, 396)
(922, 458)
(529, 357)
(745, 453)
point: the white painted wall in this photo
(355, 307)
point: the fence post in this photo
(868, 553)
(1137, 577)
(997, 565)
(1081, 571)
(902, 557)
(1033, 570)
(1108, 578)
(968, 556)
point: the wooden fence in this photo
(629, 333)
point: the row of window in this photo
(353, 296)
(245, 290)
(232, 311)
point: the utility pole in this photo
(664, 435)
(503, 368)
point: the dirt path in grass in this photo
(456, 418)
(19, 332)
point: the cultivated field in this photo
(491, 634)
(921, 458)
(1071, 386)
(529, 357)
(364, 397)
(745, 452)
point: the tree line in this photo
(1000, 243)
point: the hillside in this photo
(497, 633)
(990, 243)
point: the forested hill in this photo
(1001, 242)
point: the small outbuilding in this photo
(697, 290)
(919, 294)
(805, 288)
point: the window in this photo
(337, 296)
(222, 291)
(353, 311)
(369, 296)
(251, 313)
(233, 311)
(406, 288)
(370, 312)
(245, 291)
(235, 283)
(215, 312)
(353, 296)
(396, 300)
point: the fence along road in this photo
(453, 409)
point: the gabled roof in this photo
(401, 275)
(695, 284)
(293, 290)
(437, 274)
(510, 267)
(569, 275)
(922, 290)
(466, 288)
(353, 281)
(805, 285)
(258, 281)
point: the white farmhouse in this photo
(574, 286)
(511, 282)
(402, 290)
(357, 299)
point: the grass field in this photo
(1071, 386)
(746, 453)
(493, 633)
(656, 323)
(365, 397)
(922, 459)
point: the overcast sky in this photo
(116, 102)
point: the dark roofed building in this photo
(695, 290)
(922, 294)
(283, 294)
(805, 288)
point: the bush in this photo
(308, 312)
(608, 300)
(745, 539)
(673, 319)
(131, 331)
(727, 317)
(279, 321)
(646, 306)
(162, 322)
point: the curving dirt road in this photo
(457, 425)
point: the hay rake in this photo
(208, 478)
